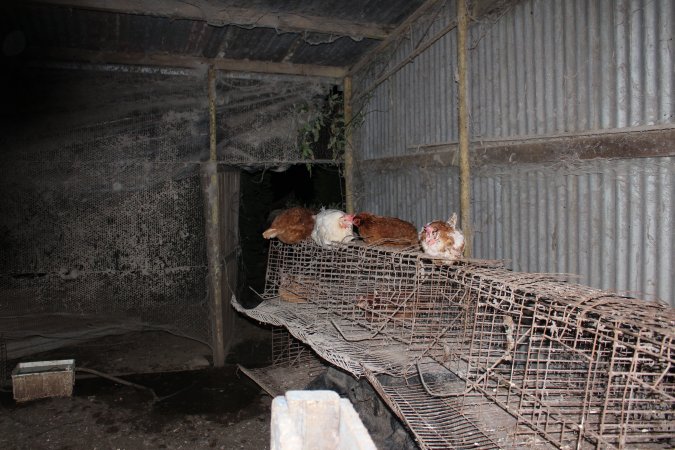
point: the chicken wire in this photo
(102, 205)
(375, 290)
(260, 119)
(294, 365)
(577, 366)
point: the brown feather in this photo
(383, 230)
(291, 226)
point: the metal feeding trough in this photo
(42, 379)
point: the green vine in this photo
(328, 130)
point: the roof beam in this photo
(186, 62)
(217, 15)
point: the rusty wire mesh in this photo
(577, 366)
(288, 351)
(378, 292)
(294, 365)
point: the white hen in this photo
(332, 225)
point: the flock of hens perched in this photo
(329, 226)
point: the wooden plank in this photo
(184, 61)
(211, 191)
(624, 144)
(349, 149)
(217, 15)
(463, 125)
(641, 143)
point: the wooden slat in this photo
(216, 15)
(632, 143)
(189, 62)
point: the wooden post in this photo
(349, 149)
(211, 190)
(463, 121)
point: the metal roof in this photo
(278, 33)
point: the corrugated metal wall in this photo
(416, 105)
(610, 221)
(545, 67)
(541, 68)
(564, 66)
(416, 194)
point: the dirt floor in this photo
(196, 406)
(197, 409)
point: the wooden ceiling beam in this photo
(216, 15)
(186, 62)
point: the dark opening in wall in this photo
(263, 194)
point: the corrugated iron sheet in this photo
(416, 106)
(610, 221)
(551, 67)
(416, 194)
(59, 27)
(542, 68)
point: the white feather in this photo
(327, 229)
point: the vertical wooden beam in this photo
(349, 149)
(211, 191)
(463, 121)
(213, 156)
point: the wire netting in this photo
(102, 205)
(103, 210)
(260, 119)
(579, 367)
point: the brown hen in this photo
(383, 230)
(291, 226)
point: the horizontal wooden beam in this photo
(613, 144)
(218, 15)
(631, 143)
(186, 62)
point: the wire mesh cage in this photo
(577, 366)
(575, 363)
(376, 289)
(288, 351)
